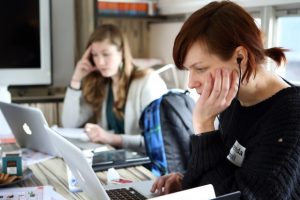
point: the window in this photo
(287, 36)
(257, 21)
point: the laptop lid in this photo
(27, 125)
(92, 186)
(79, 166)
(118, 159)
(83, 172)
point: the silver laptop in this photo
(92, 187)
(85, 175)
(27, 125)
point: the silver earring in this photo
(121, 67)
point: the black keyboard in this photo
(125, 194)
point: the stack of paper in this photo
(78, 137)
(31, 193)
(73, 133)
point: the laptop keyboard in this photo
(125, 193)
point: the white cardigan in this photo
(141, 92)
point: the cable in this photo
(239, 61)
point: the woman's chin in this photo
(107, 74)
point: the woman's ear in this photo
(241, 55)
(239, 59)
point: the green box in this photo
(12, 164)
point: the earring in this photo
(121, 67)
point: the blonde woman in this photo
(109, 92)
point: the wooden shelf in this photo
(148, 18)
(39, 99)
(136, 25)
(37, 95)
(134, 17)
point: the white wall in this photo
(168, 7)
(63, 41)
(162, 36)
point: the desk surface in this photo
(53, 172)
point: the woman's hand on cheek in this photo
(216, 97)
(225, 88)
(203, 117)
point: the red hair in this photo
(222, 27)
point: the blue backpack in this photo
(167, 126)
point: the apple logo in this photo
(27, 129)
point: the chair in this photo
(162, 71)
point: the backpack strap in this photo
(178, 110)
(150, 121)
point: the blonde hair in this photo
(93, 86)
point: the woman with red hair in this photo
(256, 147)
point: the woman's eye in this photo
(201, 69)
(106, 54)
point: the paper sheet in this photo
(31, 193)
(73, 133)
(30, 157)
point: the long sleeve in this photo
(134, 142)
(208, 151)
(75, 111)
(271, 167)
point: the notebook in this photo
(118, 159)
(85, 175)
(27, 125)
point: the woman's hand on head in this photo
(217, 95)
(83, 66)
(167, 184)
(98, 134)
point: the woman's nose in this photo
(192, 82)
(100, 61)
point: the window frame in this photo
(269, 16)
